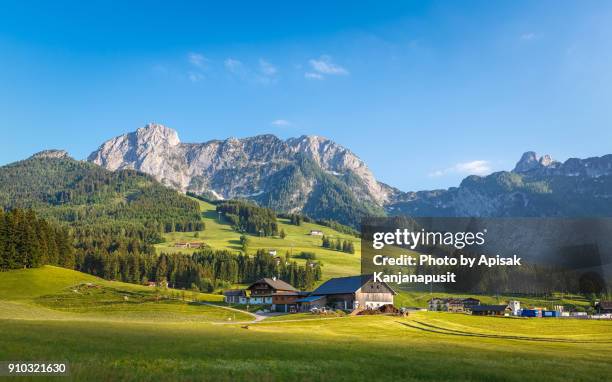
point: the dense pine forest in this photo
(248, 217)
(28, 242)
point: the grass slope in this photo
(105, 337)
(57, 293)
(220, 235)
(351, 349)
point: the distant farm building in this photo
(604, 307)
(355, 292)
(531, 313)
(437, 304)
(235, 296)
(490, 310)
(454, 305)
(515, 307)
(315, 232)
(189, 245)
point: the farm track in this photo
(452, 332)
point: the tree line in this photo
(338, 244)
(248, 217)
(205, 270)
(27, 241)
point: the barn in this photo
(235, 296)
(490, 310)
(354, 292)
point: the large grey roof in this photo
(339, 285)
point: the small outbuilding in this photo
(490, 310)
(234, 296)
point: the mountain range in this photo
(320, 178)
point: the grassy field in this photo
(111, 331)
(220, 235)
(57, 293)
(351, 349)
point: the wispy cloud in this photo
(476, 167)
(195, 76)
(198, 60)
(199, 65)
(281, 123)
(234, 66)
(266, 68)
(324, 66)
(264, 73)
(528, 36)
(313, 76)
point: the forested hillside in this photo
(248, 217)
(328, 196)
(27, 241)
(92, 199)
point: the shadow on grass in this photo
(451, 332)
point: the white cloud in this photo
(476, 167)
(324, 66)
(234, 66)
(528, 36)
(265, 73)
(195, 76)
(281, 123)
(313, 76)
(198, 60)
(266, 68)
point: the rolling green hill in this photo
(87, 196)
(220, 235)
(55, 293)
(56, 314)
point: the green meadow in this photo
(220, 235)
(111, 331)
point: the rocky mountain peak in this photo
(237, 167)
(530, 162)
(155, 134)
(61, 154)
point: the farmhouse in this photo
(315, 232)
(437, 304)
(235, 296)
(490, 310)
(469, 302)
(189, 245)
(355, 292)
(279, 294)
(604, 307)
(455, 305)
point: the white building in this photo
(515, 306)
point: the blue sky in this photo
(424, 92)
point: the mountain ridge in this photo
(248, 168)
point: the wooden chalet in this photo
(277, 293)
